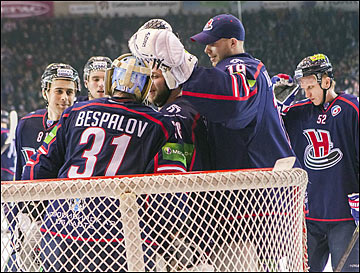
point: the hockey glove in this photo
(163, 46)
(354, 205)
(285, 91)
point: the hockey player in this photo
(324, 132)
(101, 137)
(94, 76)
(8, 155)
(235, 96)
(59, 84)
(194, 132)
(238, 102)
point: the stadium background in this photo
(280, 33)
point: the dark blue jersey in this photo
(30, 134)
(102, 137)
(81, 98)
(8, 157)
(193, 132)
(236, 97)
(327, 145)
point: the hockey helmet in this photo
(96, 63)
(128, 74)
(317, 65)
(59, 71)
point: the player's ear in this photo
(233, 43)
(43, 92)
(86, 84)
(326, 81)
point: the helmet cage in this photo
(128, 74)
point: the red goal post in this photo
(235, 220)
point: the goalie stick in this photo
(346, 254)
(13, 117)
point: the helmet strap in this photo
(325, 92)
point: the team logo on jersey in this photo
(235, 61)
(27, 152)
(209, 25)
(335, 110)
(173, 109)
(319, 154)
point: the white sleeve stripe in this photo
(235, 86)
(245, 85)
(167, 168)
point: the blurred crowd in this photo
(280, 38)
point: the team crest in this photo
(174, 108)
(335, 110)
(320, 153)
(209, 25)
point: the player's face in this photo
(312, 89)
(95, 84)
(159, 92)
(61, 95)
(218, 51)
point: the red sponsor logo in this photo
(22, 9)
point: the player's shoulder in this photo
(35, 114)
(85, 104)
(298, 106)
(180, 106)
(301, 104)
(349, 99)
(81, 98)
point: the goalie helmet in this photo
(59, 71)
(96, 63)
(128, 74)
(317, 65)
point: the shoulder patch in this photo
(174, 152)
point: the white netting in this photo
(206, 221)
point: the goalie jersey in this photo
(327, 145)
(101, 137)
(236, 97)
(30, 134)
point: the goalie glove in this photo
(163, 46)
(354, 205)
(285, 91)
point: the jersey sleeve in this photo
(228, 97)
(49, 158)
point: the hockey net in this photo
(240, 220)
